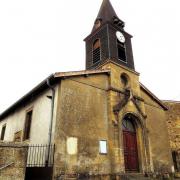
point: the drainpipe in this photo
(51, 120)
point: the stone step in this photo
(67, 177)
(134, 176)
(177, 175)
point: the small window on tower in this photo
(96, 51)
(98, 23)
(121, 51)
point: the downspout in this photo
(51, 119)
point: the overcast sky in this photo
(40, 37)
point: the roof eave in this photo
(26, 97)
(43, 85)
(153, 97)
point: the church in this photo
(99, 123)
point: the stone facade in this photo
(13, 159)
(158, 136)
(92, 108)
(82, 114)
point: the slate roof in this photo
(106, 13)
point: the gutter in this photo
(51, 119)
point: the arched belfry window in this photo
(96, 51)
(121, 51)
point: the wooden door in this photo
(130, 151)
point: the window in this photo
(103, 147)
(124, 79)
(121, 51)
(3, 132)
(96, 51)
(127, 125)
(174, 157)
(98, 23)
(27, 127)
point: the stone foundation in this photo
(126, 176)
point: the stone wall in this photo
(86, 116)
(173, 124)
(81, 123)
(13, 161)
(158, 136)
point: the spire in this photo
(107, 14)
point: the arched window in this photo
(124, 80)
(96, 51)
(127, 125)
(121, 51)
(98, 23)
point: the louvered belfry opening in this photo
(96, 51)
(121, 51)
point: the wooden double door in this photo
(130, 151)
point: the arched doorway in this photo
(130, 144)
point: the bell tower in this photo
(108, 40)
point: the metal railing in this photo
(40, 156)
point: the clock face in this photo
(120, 37)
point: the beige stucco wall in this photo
(41, 107)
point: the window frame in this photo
(118, 43)
(27, 125)
(3, 131)
(128, 125)
(93, 49)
